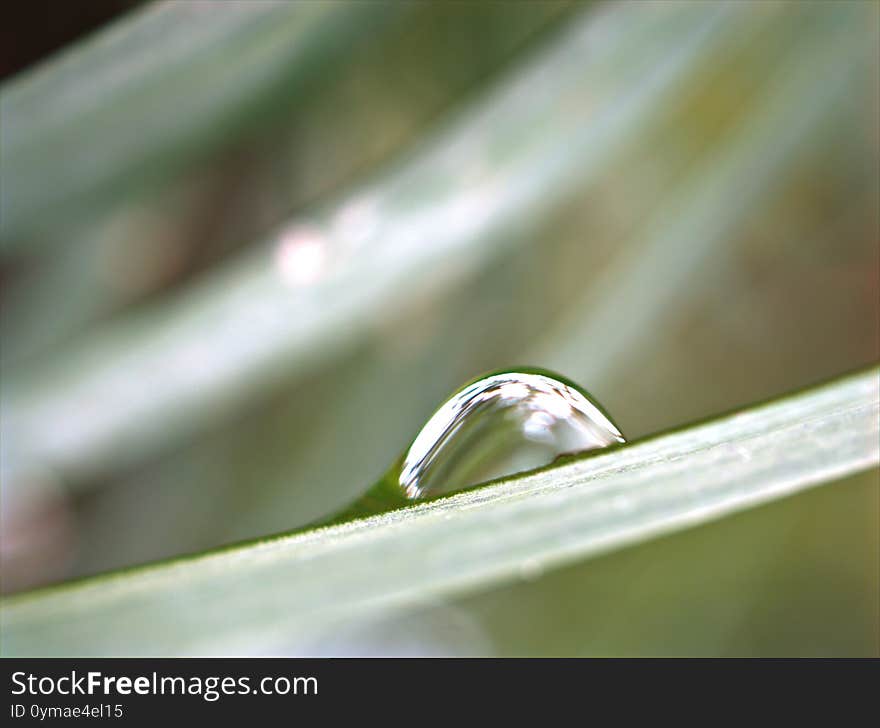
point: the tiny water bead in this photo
(500, 424)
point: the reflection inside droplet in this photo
(502, 424)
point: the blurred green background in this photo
(247, 248)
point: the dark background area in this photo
(31, 31)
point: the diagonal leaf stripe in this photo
(269, 592)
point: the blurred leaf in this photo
(464, 198)
(135, 244)
(255, 596)
(165, 83)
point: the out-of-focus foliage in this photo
(225, 326)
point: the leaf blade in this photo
(246, 596)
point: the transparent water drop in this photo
(502, 424)
(498, 425)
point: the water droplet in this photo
(500, 424)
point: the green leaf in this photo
(152, 90)
(257, 595)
